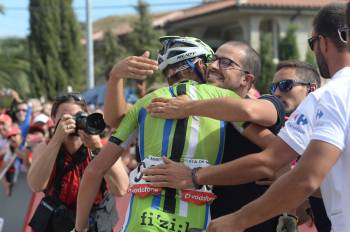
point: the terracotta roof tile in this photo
(219, 5)
(292, 3)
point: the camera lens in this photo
(95, 124)
(92, 124)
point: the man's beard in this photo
(322, 66)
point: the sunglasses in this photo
(286, 85)
(69, 96)
(227, 63)
(311, 41)
(21, 110)
(343, 34)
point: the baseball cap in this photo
(4, 118)
(13, 131)
(41, 118)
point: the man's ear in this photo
(323, 43)
(248, 79)
(202, 67)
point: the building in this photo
(217, 21)
(245, 20)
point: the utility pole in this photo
(90, 80)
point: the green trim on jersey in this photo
(204, 139)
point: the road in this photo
(13, 209)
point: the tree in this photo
(72, 52)
(107, 53)
(267, 65)
(55, 51)
(14, 65)
(288, 45)
(144, 37)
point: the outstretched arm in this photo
(287, 192)
(259, 111)
(243, 170)
(91, 181)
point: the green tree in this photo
(287, 46)
(55, 51)
(72, 52)
(107, 52)
(267, 65)
(144, 36)
(14, 65)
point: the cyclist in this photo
(195, 141)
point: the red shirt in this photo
(71, 181)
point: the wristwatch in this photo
(194, 178)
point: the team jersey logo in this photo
(297, 121)
(301, 120)
(319, 114)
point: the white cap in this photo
(41, 118)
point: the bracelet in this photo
(194, 178)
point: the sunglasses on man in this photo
(286, 85)
(343, 34)
(311, 41)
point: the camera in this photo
(92, 124)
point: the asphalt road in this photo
(13, 209)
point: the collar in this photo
(344, 72)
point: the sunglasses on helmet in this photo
(286, 85)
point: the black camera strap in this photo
(61, 170)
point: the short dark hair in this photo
(328, 20)
(347, 14)
(251, 62)
(304, 71)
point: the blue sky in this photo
(15, 21)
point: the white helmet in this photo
(176, 49)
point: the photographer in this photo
(57, 168)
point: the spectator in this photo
(47, 106)
(57, 168)
(14, 137)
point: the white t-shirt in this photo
(325, 115)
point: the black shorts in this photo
(9, 176)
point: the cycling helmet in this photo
(176, 49)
